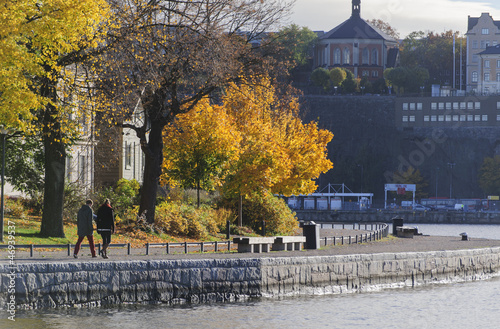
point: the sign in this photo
(493, 197)
(401, 187)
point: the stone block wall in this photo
(39, 285)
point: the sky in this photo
(405, 16)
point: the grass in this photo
(27, 232)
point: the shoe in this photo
(105, 256)
(76, 256)
(94, 256)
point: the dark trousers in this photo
(91, 244)
(106, 237)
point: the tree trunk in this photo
(53, 197)
(152, 171)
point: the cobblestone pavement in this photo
(391, 244)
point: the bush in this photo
(123, 196)
(15, 208)
(279, 219)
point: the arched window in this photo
(474, 76)
(365, 56)
(347, 56)
(336, 56)
(374, 57)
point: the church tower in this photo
(356, 8)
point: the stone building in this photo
(482, 32)
(489, 71)
(357, 46)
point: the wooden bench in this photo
(405, 231)
(254, 244)
(289, 243)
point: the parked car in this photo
(419, 207)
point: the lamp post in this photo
(451, 165)
(3, 134)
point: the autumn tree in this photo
(489, 175)
(169, 55)
(42, 45)
(384, 27)
(199, 147)
(337, 76)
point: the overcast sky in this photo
(404, 15)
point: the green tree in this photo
(296, 43)
(337, 76)
(321, 78)
(489, 176)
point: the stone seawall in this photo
(40, 285)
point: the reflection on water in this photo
(473, 231)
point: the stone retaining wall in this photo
(224, 280)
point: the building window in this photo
(498, 105)
(498, 64)
(441, 118)
(347, 56)
(441, 106)
(484, 117)
(448, 105)
(366, 56)
(433, 118)
(455, 105)
(487, 77)
(470, 117)
(419, 106)
(474, 44)
(366, 73)
(434, 106)
(374, 57)
(477, 117)
(470, 105)
(82, 169)
(447, 118)
(412, 106)
(455, 117)
(463, 117)
(474, 76)
(405, 118)
(462, 105)
(477, 105)
(128, 155)
(375, 74)
(487, 64)
(405, 106)
(426, 118)
(484, 44)
(336, 56)
(485, 31)
(498, 77)
(498, 117)
(412, 118)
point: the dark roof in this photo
(356, 28)
(472, 21)
(491, 50)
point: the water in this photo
(458, 305)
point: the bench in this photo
(254, 244)
(405, 231)
(289, 243)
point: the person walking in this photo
(85, 228)
(105, 225)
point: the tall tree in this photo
(43, 42)
(170, 55)
(489, 176)
(384, 27)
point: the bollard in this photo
(69, 249)
(147, 248)
(128, 248)
(263, 228)
(228, 230)
(168, 248)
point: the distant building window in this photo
(477, 105)
(484, 44)
(470, 105)
(447, 118)
(485, 31)
(375, 57)
(448, 105)
(498, 77)
(487, 64)
(366, 73)
(412, 106)
(455, 105)
(462, 105)
(474, 44)
(477, 118)
(441, 118)
(484, 117)
(336, 56)
(366, 56)
(470, 117)
(498, 117)
(426, 118)
(474, 76)
(498, 64)
(412, 118)
(498, 105)
(128, 155)
(419, 106)
(405, 106)
(455, 117)
(441, 106)
(405, 118)
(463, 117)
(433, 118)
(375, 74)
(347, 56)
(434, 106)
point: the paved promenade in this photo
(392, 244)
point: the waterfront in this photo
(458, 305)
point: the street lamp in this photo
(3, 134)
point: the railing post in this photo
(202, 247)
(228, 245)
(350, 239)
(147, 248)
(334, 242)
(31, 250)
(326, 241)
(69, 249)
(216, 247)
(128, 248)
(168, 248)
(185, 247)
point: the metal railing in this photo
(377, 231)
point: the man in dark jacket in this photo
(85, 227)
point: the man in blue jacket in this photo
(85, 227)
